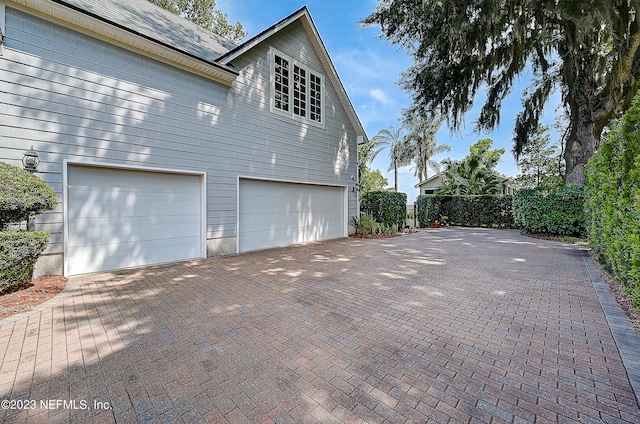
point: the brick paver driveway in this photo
(450, 325)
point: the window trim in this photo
(310, 74)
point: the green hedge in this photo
(22, 194)
(470, 211)
(385, 207)
(557, 211)
(18, 253)
(612, 181)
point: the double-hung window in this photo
(296, 90)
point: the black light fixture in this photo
(2, 37)
(30, 160)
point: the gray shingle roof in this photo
(155, 23)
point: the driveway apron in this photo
(445, 325)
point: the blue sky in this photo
(370, 68)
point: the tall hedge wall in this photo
(558, 211)
(386, 207)
(612, 181)
(470, 211)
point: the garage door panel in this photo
(120, 218)
(292, 220)
(130, 229)
(108, 256)
(106, 203)
(278, 214)
(294, 206)
(135, 180)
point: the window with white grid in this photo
(281, 78)
(296, 90)
(315, 98)
(299, 91)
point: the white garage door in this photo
(118, 218)
(279, 214)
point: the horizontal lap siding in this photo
(311, 154)
(78, 98)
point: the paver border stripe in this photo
(627, 340)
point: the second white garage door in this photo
(118, 218)
(279, 214)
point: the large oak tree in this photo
(586, 48)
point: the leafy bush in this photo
(470, 211)
(557, 211)
(367, 226)
(22, 194)
(385, 207)
(18, 253)
(612, 181)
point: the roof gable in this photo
(141, 26)
(432, 179)
(311, 30)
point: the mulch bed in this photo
(27, 296)
(376, 236)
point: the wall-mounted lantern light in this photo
(2, 37)
(30, 160)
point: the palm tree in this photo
(474, 175)
(399, 149)
(424, 146)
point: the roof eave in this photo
(95, 26)
(428, 180)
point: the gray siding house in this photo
(430, 185)
(164, 142)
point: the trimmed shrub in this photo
(385, 207)
(612, 182)
(469, 211)
(18, 253)
(22, 194)
(557, 211)
(428, 209)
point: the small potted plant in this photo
(444, 220)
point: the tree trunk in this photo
(395, 175)
(590, 112)
(582, 142)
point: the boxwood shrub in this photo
(385, 207)
(470, 211)
(18, 253)
(556, 211)
(22, 194)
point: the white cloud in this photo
(380, 96)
